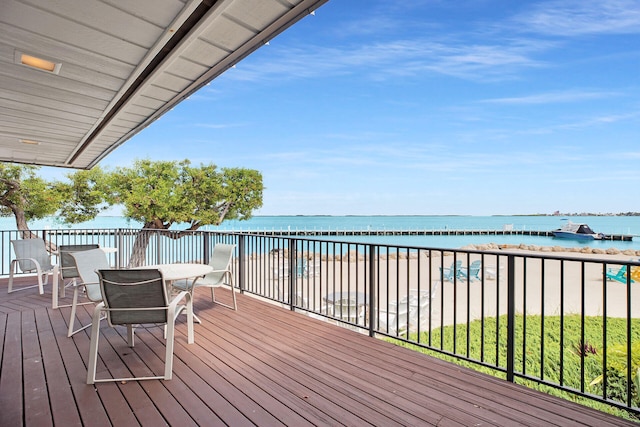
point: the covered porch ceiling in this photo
(78, 78)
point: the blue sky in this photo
(428, 107)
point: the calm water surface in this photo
(604, 224)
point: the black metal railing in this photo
(529, 316)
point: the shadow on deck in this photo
(262, 365)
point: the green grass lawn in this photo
(560, 351)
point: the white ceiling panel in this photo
(122, 64)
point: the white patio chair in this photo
(412, 310)
(419, 303)
(32, 257)
(221, 261)
(395, 318)
(491, 271)
(86, 264)
(313, 267)
(280, 272)
(68, 270)
(136, 297)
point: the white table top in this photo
(172, 272)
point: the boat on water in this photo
(572, 230)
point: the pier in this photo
(361, 232)
(443, 232)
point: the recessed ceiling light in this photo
(37, 62)
(29, 141)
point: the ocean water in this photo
(628, 225)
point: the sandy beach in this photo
(543, 285)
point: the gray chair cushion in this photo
(124, 290)
(68, 268)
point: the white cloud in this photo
(553, 97)
(580, 17)
(405, 58)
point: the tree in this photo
(163, 193)
(157, 193)
(27, 196)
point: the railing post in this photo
(206, 247)
(372, 286)
(158, 251)
(293, 273)
(119, 243)
(241, 257)
(511, 316)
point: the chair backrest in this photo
(474, 268)
(220, 261)
(31, 248)
(135, 296)
(221, 257)
(620, 274)
(419, 302)
(68, 268)
(87, 263)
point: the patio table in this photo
(347, 305)
(179, 271)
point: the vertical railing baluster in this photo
(630, 372)
(542, 316)
(241, 259)
(511, 316)
(371, 315)
(583, 350)
(561, 349)
(604, 331)
(291, 265)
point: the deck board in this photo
(11, 388)
(259, 366)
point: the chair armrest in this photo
(177, 298)
(174, 310)
(33, 260)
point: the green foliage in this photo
(25, 195)
(557, 350)
(617, 372)
(85, 196)
(161, 193)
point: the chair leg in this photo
(72, 319)
(131, 335)
(11, 273)
(43, 279)
(13, 270)
(170, 332)
(93, 349)
(168, 355)
(55, 293)
(190, 318)
(235, 305)
(55, 296)
(233, 292)
(74, 307)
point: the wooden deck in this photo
(259, 366)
